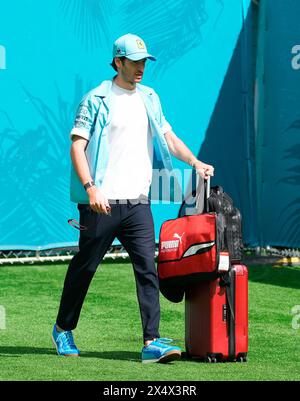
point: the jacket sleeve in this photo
(85, 118)
(160, 118)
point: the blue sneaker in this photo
(161, 351)
(64, 343)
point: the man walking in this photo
(112, 153)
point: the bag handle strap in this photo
(202, 194)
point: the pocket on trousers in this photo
(89, 220)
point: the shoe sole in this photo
(168, 357)
(54, 343)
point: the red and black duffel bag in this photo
(191, 249)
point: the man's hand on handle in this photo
(203, 169)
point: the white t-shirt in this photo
(129, 170)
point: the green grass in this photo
(109, 330)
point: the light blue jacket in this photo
(94, 118)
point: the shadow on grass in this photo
(113, 355)
(17, 352)
(288, 277)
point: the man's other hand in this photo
(98, 201)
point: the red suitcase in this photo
(216, 317)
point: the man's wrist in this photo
(193, 161)
(88, 185)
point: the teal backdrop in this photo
(278, 124)
(53, 52)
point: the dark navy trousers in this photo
(132, 224)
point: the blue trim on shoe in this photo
(64, 343)
(161, 351)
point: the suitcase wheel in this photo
(241, 358)
(211, 359)
(185, 355)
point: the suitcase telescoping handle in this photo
(206, 194)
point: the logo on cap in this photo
(140, 44)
